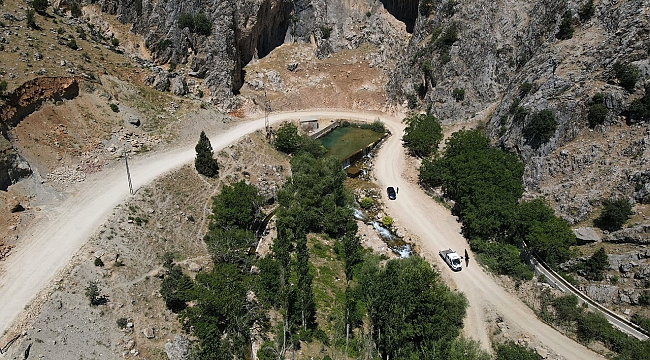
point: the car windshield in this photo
(455, 262)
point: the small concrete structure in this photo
(309, 125)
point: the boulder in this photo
(179, 86)
(586, 235)
(149, 333)
(132, 120)
(178, 349)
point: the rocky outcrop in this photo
(586, 235)
(30, 95)
(633, 235)
(18, 104)
(243, 31)
(12, 166)
(178, 349)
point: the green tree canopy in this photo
(314, 197)
(40, 6)
(615, 213)
(596, 264)
(486, 183)
(287, 139)
(565, 31)
(237, 206)
(541, 127)
(422, 135)
(410, 310)
(204, 163)
(546, 235)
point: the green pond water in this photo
(345, 141)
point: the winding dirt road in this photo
(61, 231)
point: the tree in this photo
(237, 206)
(597, 110)
(587, 11)
(422, 135)
(287, 139)
(566, 308)
(466, 349)
(3, 86)
(92, 293)
(75, 10)
(565, 31)
(547, 235)
(541, 126)
(512, 351)
(410, 310)
(40, 6)
(176, 289)
(615, 213)
(204, 163)
(627, 75)
(30, 19)
(596, 264)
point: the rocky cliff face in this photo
(246, 30)
(465, 57)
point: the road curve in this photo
(437, 229)
(61, 231)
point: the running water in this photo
(385, 233)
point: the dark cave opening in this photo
(405, 11)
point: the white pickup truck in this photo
(452, 259)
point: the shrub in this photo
(3, 86)
(99, 262)
(39, 6)
(326, 32)
(92, 293)
(586, 11)
(640, 108)
(542, 126)
(524, 89)
(75, 10)
(615, 214)
(512, 351)
(114, 107)
(565, 31)
(596, 264)
(115, 42)
(458, 94)
(29, 18)
(627, 75)
(644, 299)
(122, 322)
(566, 308)
(72, 44)
(366, 203)
(597, 110)
(378, 126)
(387, 221)
(202, 24)
(204, 163)
(591, 326)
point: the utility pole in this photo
(267, 110)
(128, 173)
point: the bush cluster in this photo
(640, 108)
(541, 127)
(615, 213)
(597, 110)
(627, 75)
(565, 31)
(197, 23)
(422, 135)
